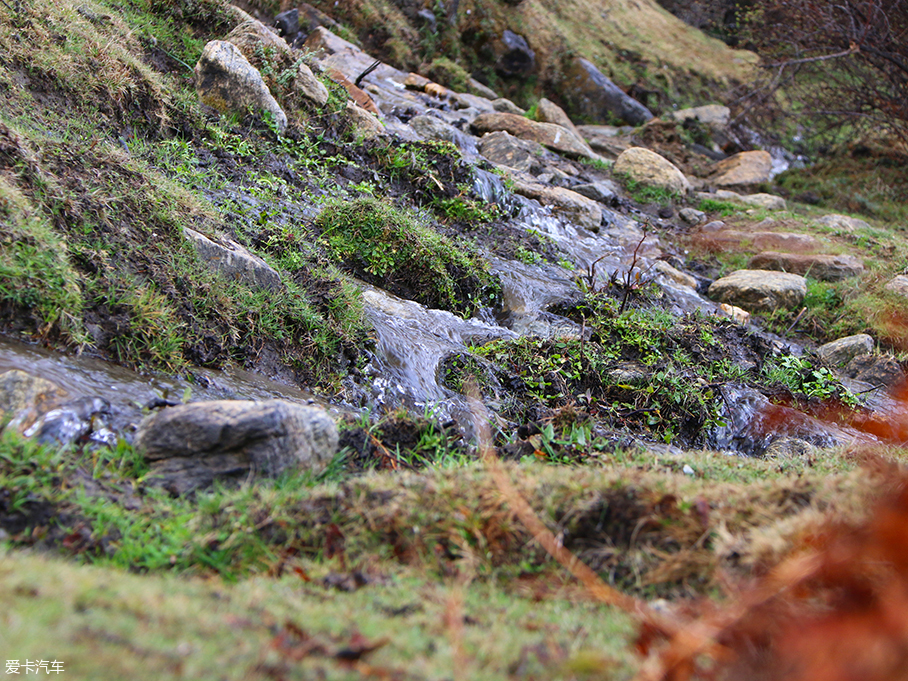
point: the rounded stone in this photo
(650, 169)
(760, 290)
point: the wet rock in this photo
(591, 95)
(732, 239)
(76, 422)
(503, 105)
(339, 56)
(674, 275)
(604, 191)
(691, 216)
(552, 136)
(467, 103)
(843, 350)
(23, 397)
(606, 139)
(786, 447)
(549, 112)
(474, 87)
(190, 446)
(515, 58)
(432, 128)
(252, 36)
(416, 82)
(309, 86)
(650, 169)
(226, 81)
(760, 290)
(580, 210)
(713, 116)
(760, 200)
(288, 23)
(234, 261)
(504, 149)
(366, 126)
(843, 223)
(734, 312)
(898, 284)
(878, 370)
(822, 267)
(742, 170)
(768, 201)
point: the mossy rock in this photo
(397, 251)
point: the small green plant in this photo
(597, 163)
(645, 193)
(714, 206)
(802, 377)
(463, 208)
(527, 256)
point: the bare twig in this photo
(853, 49)
(629, 275)
(796, 320)
(372, 67)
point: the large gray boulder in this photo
(842, 223)
(24, 396)
(190, 446)
(226, 81)
(549, 112)
(432, 128)
(514, 56)
(650, 169)
(580, 210)
(843, 350)
(234, 261)
(592, 96)
(760, 290)
(547, 134)
(822, 267)
(745, 169)
(503, 149)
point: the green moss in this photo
(395, 249)
(446, 72)
(645, 193)
(723, 208)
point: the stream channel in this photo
(104, 401)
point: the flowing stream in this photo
(106, 400)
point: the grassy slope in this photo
(435, 547)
